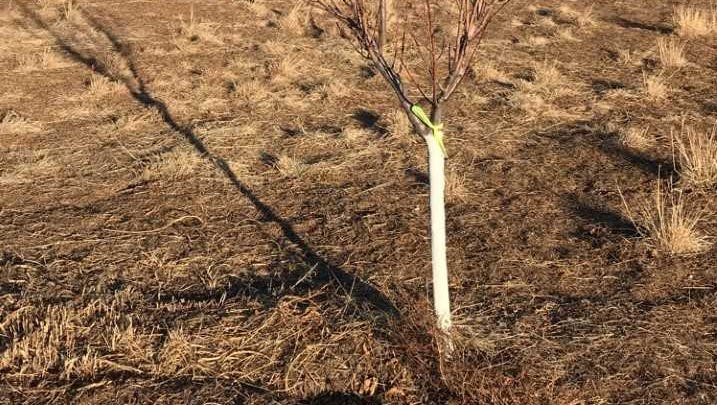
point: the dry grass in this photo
(45, 60)
(70, 11)
(12, 123)
(174, 165)
(566, 33)
(655, 87)
(25, 167)
(193, 33)
(536, 40)
(100, 86)
(296, 19)
(547, 81)
(398, 124)
(637, 138)
(255, 92)
(456, 189)
(200, 285)
(693, 22)
(625, 56)
(580, 18)
(287, 69)
(695, 156)
(667, 222)
(671, 52)
(535, 94)
(290, 166)
(489, 71)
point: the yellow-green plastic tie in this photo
(437, 129)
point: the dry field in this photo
(219, 202)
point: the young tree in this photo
(445, 52)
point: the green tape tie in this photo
(437, 129)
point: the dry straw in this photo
(667, 222)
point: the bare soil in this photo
(214, 202)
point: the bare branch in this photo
(446, 65)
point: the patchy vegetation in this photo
(219, 202)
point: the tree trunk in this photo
(441, 298)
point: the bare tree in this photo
(444, 38)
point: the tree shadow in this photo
(602, 86)
(324, 271)
(648, 164)
(632, 24)
(594, 135)
(340, 398)
(369, 120)
(602, 221)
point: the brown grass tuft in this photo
(695, 156)
(488, 71)
(175, 165)
(398, 124)
(12, 123)
(580, 18)
(295, 20)
(24, 167)
(290, 166)
(45, 60)
(667, 222)
(456, 189)
(693, 22)
(636, 138)
(655, 87)
(193, 31)
(671, 52)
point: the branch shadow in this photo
(602, 222)
(632, 24)
(649, 165)
(324, 271)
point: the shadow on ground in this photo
(323, 272)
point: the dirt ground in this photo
(218, 202)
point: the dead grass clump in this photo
(695, 156)
(626, 57)
(290, 166)
(671, 53)
(193, 32)
(488, 71)
(134, 122)
(398, 124)
(70, 11)
(667, 222)
(536, 40)
(28, 166)
(532, 104)
(580, 18)
(286, 70)
(567, 34)
(655, 87)
(40, 342)
(332, 89)
(535, 94)
(456, 189)
(100, 86)
(296, 20)
(254, 92)
(45, 60)
(174, 165)
(12, 123)
(546, 81)
(693, 22)
(636, 138)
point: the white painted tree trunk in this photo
(441, 298)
